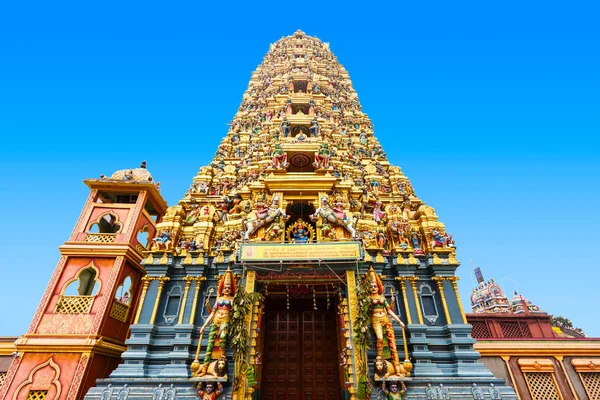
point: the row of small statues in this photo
(396, 231)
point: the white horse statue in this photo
(334, 216)
(265, 216)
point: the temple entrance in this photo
(301, 359)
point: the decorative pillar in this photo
(512, 376)
(439, 280)
(199, 280)
(453, 280)
(146, 279)
(359, 357)
(247, 394)
(560, 360)
(413, 283)
(402, 280)
(161, 284)
(188, 282)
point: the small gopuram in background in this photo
(542, 357)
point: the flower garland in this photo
(240, 338)
(362, 337)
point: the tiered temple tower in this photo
(300, 264)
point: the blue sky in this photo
(492, 110)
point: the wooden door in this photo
(301, 356)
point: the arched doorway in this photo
(301, 354)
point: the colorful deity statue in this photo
(322, 157)
(265, 217)
(363, 138)
(223, 209)
(163, 241)
(285, 128)
(279, 157)
(236, 206)
(381, 311)
(210, 390)
(398, 229)
(381, 239)
(378, 213)
(415, 240)
(335, 216)
(314, 128)
(395, 392)
(219, 324)
(192, 217)
(300, 232)
(438, 239)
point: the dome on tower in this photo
(137, 175)
(489, 297)
(519, 302)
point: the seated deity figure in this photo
(300, 232)
(279, 157)
(322, 157)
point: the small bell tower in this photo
(78, 332)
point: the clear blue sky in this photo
(491, 109)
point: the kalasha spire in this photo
(301, 145)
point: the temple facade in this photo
(300, 264)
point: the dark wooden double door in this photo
(300, 356)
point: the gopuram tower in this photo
(300, 264)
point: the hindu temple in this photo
(299, 264)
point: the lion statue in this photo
(216, 369)
(383, 368)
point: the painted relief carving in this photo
(66, 324)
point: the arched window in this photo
(143, 236)
(123, 294)
(122, 303)
(107, 223)
(86, 283)
(78, 294)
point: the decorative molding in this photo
(536, 365)
(46, 297)
(84, 215)
(75, 384)
(108, 295)
(10, 374)
(586, 364)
